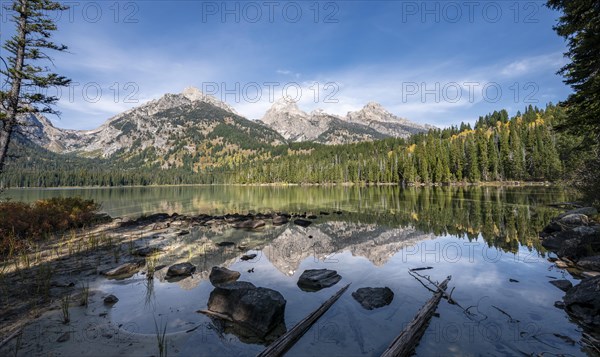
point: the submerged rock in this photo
(302, 222)
(280, 220)
(250, 224)
(248, 257)
(583, 301)
(125, 270)
(562, 284)
(219, 275)
(260, 310)
(147, 251)
(111, 299)
(180, 269)
(372, 298)
(317, 279)
(64, 337)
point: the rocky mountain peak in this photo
(285, 105)
(194, 94)
(373, 111)
(283, 110)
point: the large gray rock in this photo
(590, 263)
(575, 242)
(372, 298)
(260, 310)
(570, 219)
(574, 219)
(583, 301)
(588, 211)
(572, 249)
(317, 279)
(220, 276)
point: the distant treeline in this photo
(524, 147)
(498, 148)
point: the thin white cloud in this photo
(524, 66)
(424, 93)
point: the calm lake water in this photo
(485, 237)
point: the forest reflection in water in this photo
(504, 216)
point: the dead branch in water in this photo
(405, 343)
(445, 294)
(283, 343)
(12, 335)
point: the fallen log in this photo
(407, 340)
(12, 335)
(287, 340)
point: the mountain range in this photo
(192, 125)
(372, 122)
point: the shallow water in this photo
(481, 236)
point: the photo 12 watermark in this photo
(326, 12)
(469, 11)
(91, 92)
(468, 91)
(254, 92)
(125, 12)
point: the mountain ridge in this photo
(372, 122)
(184, 121)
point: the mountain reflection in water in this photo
(485, 237)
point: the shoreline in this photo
(341, 184)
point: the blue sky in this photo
(435, 62)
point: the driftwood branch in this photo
(283, 343)
(405, 343)
(445, 294)
(216, 314)
(12, 335)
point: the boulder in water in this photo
(220, 275)
(180, 269)
(260, 310)
(372, 298)
(317, 279)
(583, 301)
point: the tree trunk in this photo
(15, 91)
(5, 134)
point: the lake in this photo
(485, 237)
